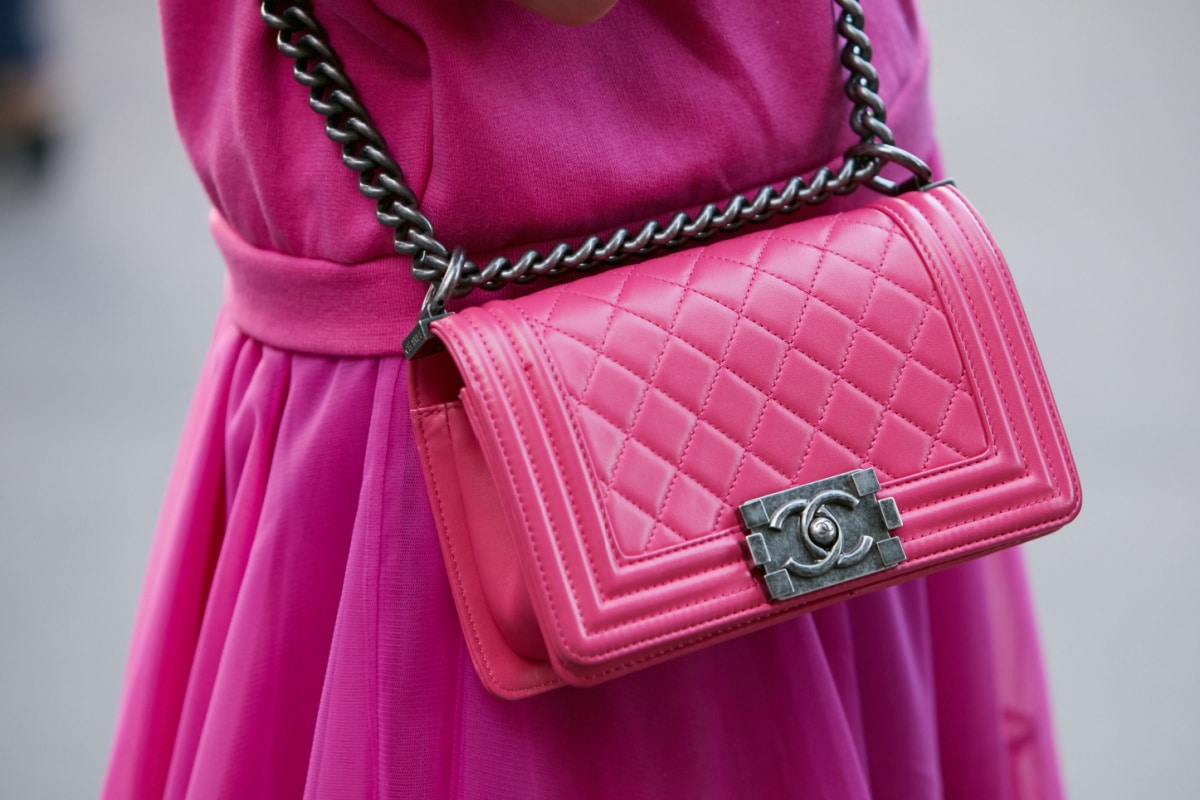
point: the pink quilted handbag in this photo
(595, 452)
(645, 461)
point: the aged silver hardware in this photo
(821, 534)
(420, 340)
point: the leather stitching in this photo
(596, 482)
(1054, 485)
(951, 382)
(1027, 336)
(759, 618)
(842, 445)
(927, 301)
(572, 590)
(701, 416)
(455, 566)
(895, 387)
(538, 484)
(649, 384)
(779, 372)
(945, 417)
(1007, 341)
(955, 385)
(837, 377)
(470, 362)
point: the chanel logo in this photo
(821, 534)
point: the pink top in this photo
(513, 131)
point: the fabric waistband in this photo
(315, 306)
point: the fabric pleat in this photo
(297, 638)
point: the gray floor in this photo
(1071, 127)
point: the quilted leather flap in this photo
(629, 414)
(751, 366)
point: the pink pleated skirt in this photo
(296, 638)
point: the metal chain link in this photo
(301, 38)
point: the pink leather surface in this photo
(611, 426)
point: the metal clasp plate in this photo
(822, 534)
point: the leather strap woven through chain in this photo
(300, 37)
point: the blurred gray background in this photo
(1070, 125)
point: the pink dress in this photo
(296, 635)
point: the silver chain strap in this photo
(450, 274)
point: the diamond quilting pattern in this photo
(753, 365)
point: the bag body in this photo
(590, 450)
